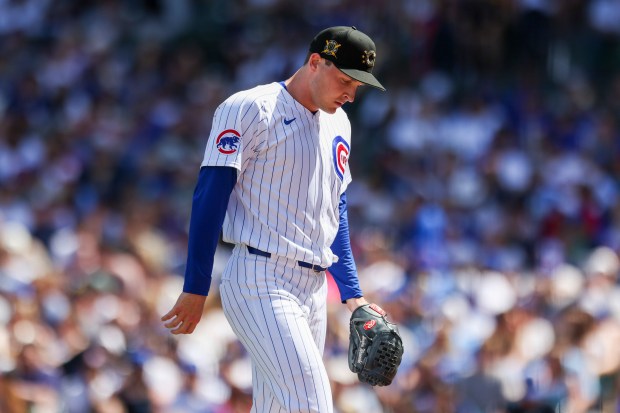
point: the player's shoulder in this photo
(255, 96)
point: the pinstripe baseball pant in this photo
(278, 311)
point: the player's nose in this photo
(350, 95)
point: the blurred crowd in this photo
(484, 211)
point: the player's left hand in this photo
(186, 313)
(375, 346)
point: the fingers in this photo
(175, 322)
(185, 315)
(186, 327)
(180, 326)
(178, 323)
(168, 315)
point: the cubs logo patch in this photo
(227, 142)
(340, 154)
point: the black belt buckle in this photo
(315, 268)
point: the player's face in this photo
(332, 88)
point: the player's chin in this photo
(332, 109)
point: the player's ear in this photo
(314, 60)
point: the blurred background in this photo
(484, 212)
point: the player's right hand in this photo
(186, 313)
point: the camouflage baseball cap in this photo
(350, 50)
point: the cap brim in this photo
(364, 77)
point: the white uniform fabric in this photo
(292, 170)
(277, 309)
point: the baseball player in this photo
(274, 177)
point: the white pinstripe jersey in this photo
(293, 167)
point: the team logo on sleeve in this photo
(227, 142)
(341, 155)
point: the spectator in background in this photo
(496, 149)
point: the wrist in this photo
(353, 303)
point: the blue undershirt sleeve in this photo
(344, 271)
(211, 195)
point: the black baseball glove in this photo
(375, 346)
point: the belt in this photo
(313, 267)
